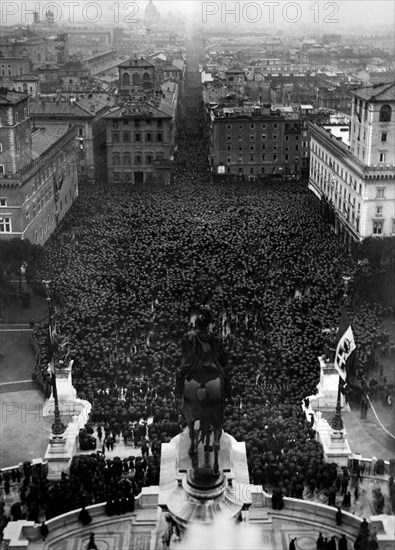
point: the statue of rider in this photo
(201, 349)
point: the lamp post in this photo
(58, 428)
(337, 422)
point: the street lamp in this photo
(58, 428)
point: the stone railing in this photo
(305, 512)
(18, 534)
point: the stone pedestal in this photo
(69, 405)
(334, 442)
(60, 451)
(200, 498)
(328, 385)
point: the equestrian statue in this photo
(203, 386)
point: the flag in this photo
(51, 366)
(345, 345)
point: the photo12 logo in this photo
(67, 12)
(270, 12)
(33, 412)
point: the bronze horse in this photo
(203, 391)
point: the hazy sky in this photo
(306, 14)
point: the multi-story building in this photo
(33, 48)
(352, 167)
(10, 67)
(136, 74)
(87, 114)
(38, 173)
(28, 84)
(139, 143)
(254, 142)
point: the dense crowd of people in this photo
(128, 285)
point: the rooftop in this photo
(137, 110)
(11, 98)
(376, 92)
(46, 136)
(339, 131)
(50, 108)
(26, 77)
(136, 62)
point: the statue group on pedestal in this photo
(203, 386)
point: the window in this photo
(16, 118)
(385, 113)
(159, 137)
(251, 158)
(159, 123)
(5, 225)
(252, 125)
(384, 136)
(377, 227)
(380, 192)
(274, 157)
(137, 159)
(379, 210)
(274, 136)
(229, 147)
(1, 147)
(80, 131)
(148, 159)
(2, 172)
(125, 79)
(115, 124)
(263, 157)
(228, 138)
(116, 158)
(229, 127)
(127, 159)
(27, 214)
(148, 136)
(137, 123)
(137, 137)
(115, 137)
(3, 202)
(382, 157)
(126, 136)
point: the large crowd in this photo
(144, 258)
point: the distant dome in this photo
(151, 14)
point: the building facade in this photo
(38, 177)
(136, 74)
(352, 167)
(87, 115)
(255, 142)
(139, 143)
